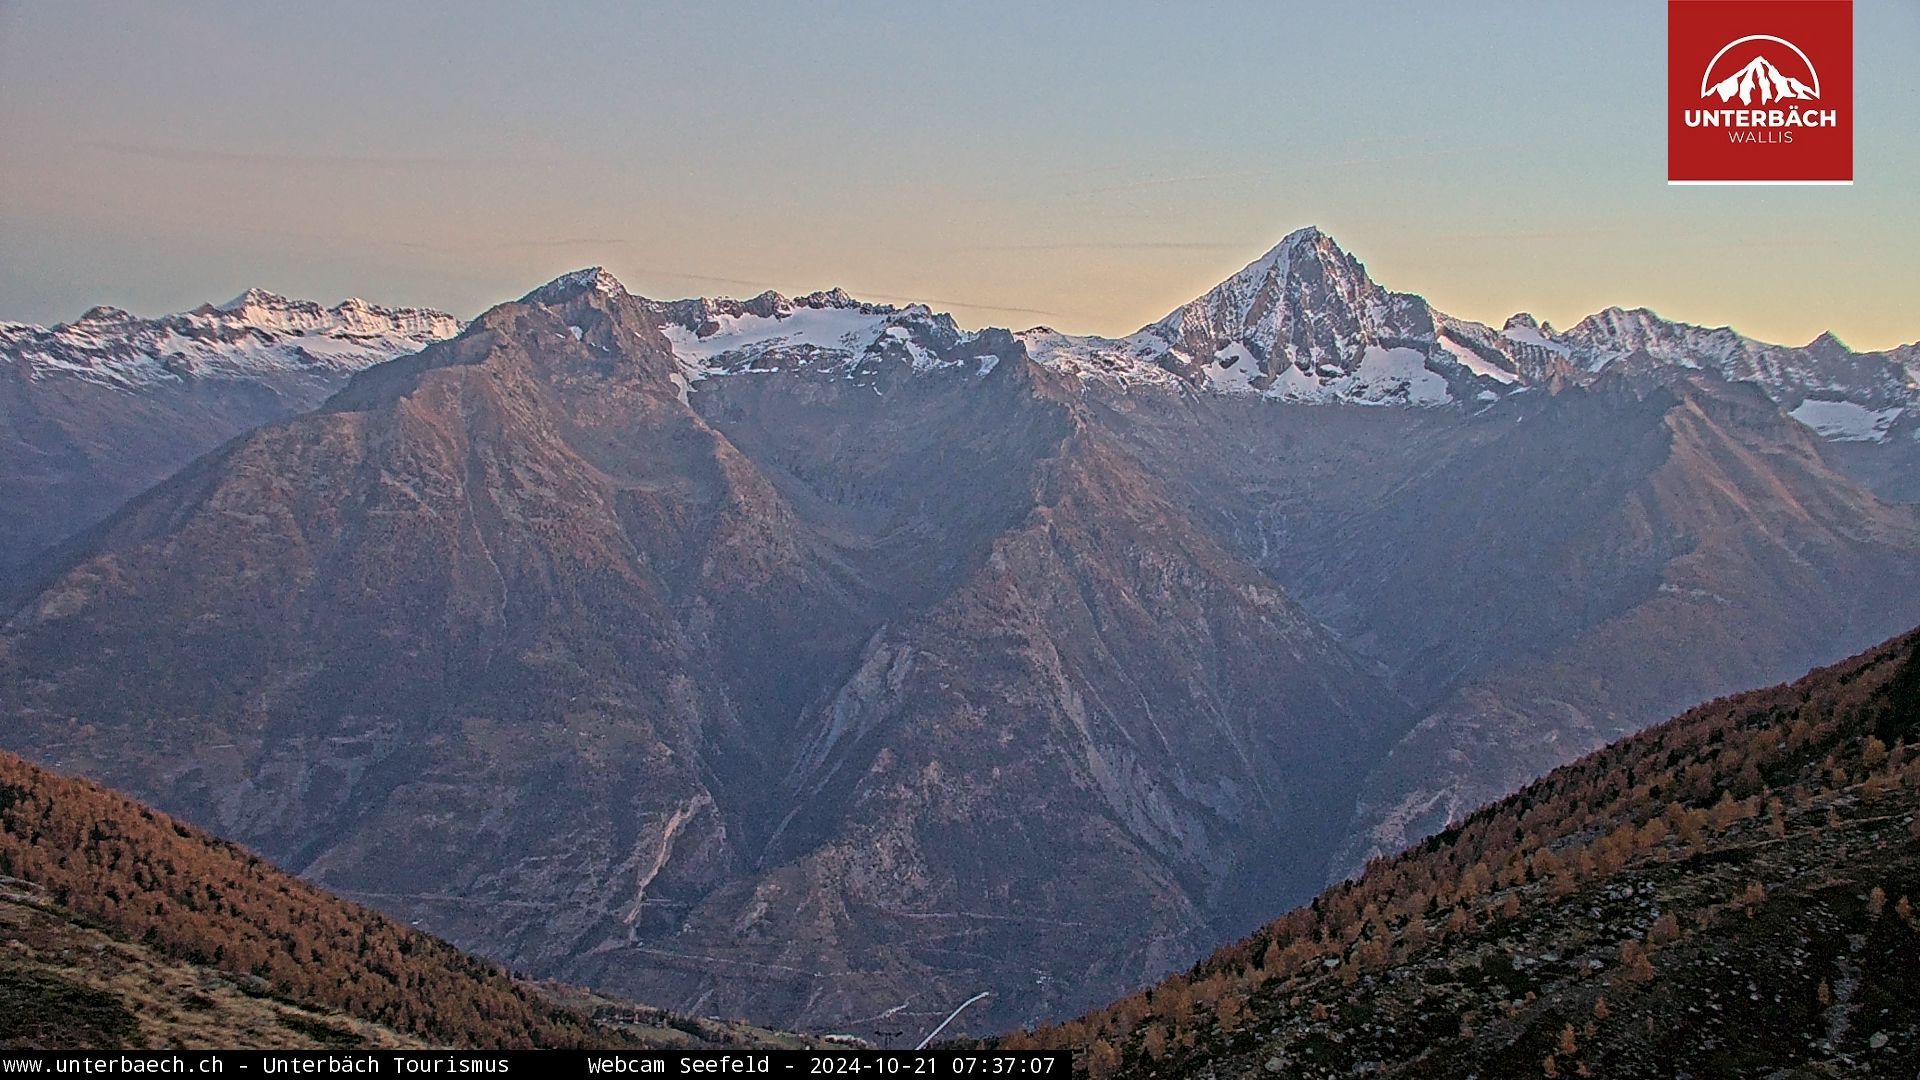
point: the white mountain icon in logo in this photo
(1760, 80)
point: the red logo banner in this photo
(1760, 91)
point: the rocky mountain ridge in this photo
(1305, 321)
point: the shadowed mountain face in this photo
(814, 660)
(1544, 577)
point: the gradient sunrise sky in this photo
(1086, 166)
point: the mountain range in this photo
(821, 662)
(94, 411)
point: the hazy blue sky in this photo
(1086, 166)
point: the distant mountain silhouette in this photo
(1761, 79)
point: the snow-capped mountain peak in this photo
(1257, 305)
(1829, 343)
(835, 297)
(594, 279)
(1304, 322)
(254, 297)
(105, 315)
(1305, 243)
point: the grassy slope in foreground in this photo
(120, 927)
(1731, 893)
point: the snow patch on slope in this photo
(1845, 421)
(1474, 363)
(829, 330)
(1394, 376)
(1233, 370)
(1118, 361)
(845, 338)
(1384, 376)
(593, 277)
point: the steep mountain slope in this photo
(126, 928)
(811, 703)
(1095, 713)
(96, 410)
(1728, 894)
(1737, 556)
